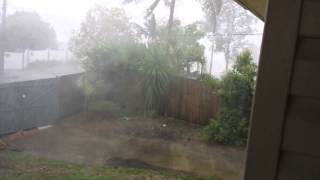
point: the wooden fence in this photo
(190, 100)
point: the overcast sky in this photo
(66, 15)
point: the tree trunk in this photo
(214, 30)
(152, 8)
(211, 58)
(203, 68)
(198, 67)
(171, 18)
(227, 56)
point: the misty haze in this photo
(130, 89)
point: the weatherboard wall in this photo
(285, 126)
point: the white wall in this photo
(13, 61)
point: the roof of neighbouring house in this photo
(257, 7)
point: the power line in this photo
(237, 34)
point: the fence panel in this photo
(190, 100)
(35, 103)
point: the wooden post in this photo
(271, 98)
(22, 60)
(48, 55)
(28, 57)
(3, 36)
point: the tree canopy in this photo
(227, 25)
(101, 26)
(26, 30)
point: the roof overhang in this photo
(257, 7)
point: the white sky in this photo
(66, 15)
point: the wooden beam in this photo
(270, 105)
(257, 7)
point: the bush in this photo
(103, 107)
(236, 94)
(156, 72)
(209, 80)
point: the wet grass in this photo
(20, 167)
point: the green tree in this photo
(236, 91)
(101, 26)
(185, 47)
(153, 6)
(115, 59)
(156, 75)
(26, 30)
(227, 24)
(212, 10)
(111, 47)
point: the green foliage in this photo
(26, 30)
(184, 46)
(236, 94)
(101, 26)
(225, 18)
(60, 170)
(103, 107)
(209, 80)
(123, 69)
(156, 75)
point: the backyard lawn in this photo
(119, 148)
(18, 167)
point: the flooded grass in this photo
(21, 167)
(161, 145)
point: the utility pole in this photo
(3, 36)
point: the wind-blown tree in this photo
(231, 25)
(185, 48)
(26, 30)
(101, 25)
(154, 5)
(212, 9)
(112, 48)
(149, 31)
(114, 57)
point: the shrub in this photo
(236, 94)
(156, 73)
(103, 107)
(209, 80)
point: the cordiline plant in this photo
(156, 70)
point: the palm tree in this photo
(212, 9)
(171, 17)
(153, 6)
